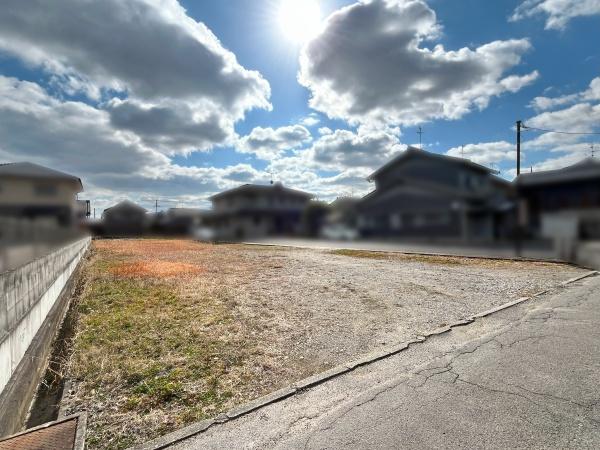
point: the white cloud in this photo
(548, 103)
(311, 120)
(80, 139)
(345, 149)
(173, 70)
(267, 143)
(558, 13)
(486, 153)
(325, 130)
(369, 64)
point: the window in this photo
(45, 190)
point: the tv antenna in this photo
(420, 133)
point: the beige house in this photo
(30, 191)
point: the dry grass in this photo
(147, 359)
(170, 332)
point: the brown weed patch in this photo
(155, 269)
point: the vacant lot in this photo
(170, 332)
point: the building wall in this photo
(266, 201)
(37, 192)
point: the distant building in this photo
(180, 221)
(251, 211)
(124, 219)
(30, 191)
(420, 194)
(562, 199)
(344, 211)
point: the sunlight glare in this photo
(299, 19)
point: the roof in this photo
(585, 169)
(30, 170)
(124, 205)
(262, 189)
(411, 152)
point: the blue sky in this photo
(178, 100)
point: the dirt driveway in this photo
(170, 332)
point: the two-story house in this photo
(420, 194)
(571, 193)
(30, 191)
(126, 218)
(251, 211)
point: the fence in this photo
(32, 304)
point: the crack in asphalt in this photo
(540, 317)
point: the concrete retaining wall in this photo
(33, 301)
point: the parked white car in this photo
(339, 232)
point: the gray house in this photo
(561, 198)
(420, 194)
(125, 219)
(257, 210)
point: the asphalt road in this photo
(525, 377)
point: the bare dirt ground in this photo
(170, 332)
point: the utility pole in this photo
(420, 133)
(519, 124)
(94, 213)
(156, 206)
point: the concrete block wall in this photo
(27, 295)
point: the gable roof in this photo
(126, 205)
(412, 152)
(585, 169)
(261, 189)
(30, 170)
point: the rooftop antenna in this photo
(462, 151)
(271, 172)
(420, 133)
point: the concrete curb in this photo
(315, 380)
(400, 252)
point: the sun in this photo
(299, 20)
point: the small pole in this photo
(592, 147)
(156, 207)
(94, 213)
(420, 133)
(519, 124)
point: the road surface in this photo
(524, 377)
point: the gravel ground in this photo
(332, 308)
(247, 320)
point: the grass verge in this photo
(147, 360)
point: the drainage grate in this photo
(59, 435)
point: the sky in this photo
(176, 101)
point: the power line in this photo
(559, 132)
